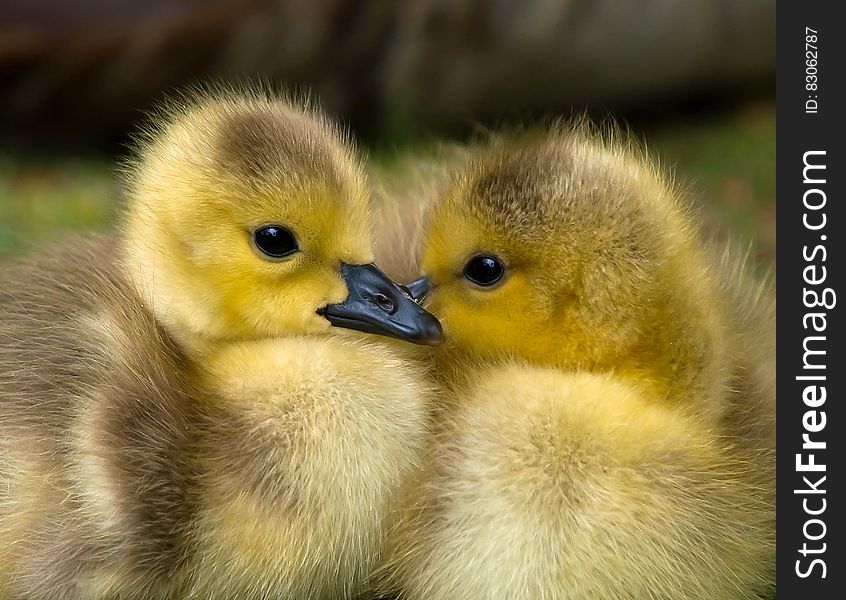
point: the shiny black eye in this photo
(484, 270)
(275, 241)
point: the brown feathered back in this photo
(93, 412)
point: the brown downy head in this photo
(568, 248)
(249, 218)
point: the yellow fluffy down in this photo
(334, 427)
(551, 485)
(606, 415)
(177, 417)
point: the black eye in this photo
(275, 241)
(484, 270)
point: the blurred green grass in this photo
(726, 159)
(44, 199)
(728, 163)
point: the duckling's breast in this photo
(551, 484)
(309, 440)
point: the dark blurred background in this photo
(695, 79)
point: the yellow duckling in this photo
(178, 417)
(607, 429)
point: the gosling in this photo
(606, 427)
(186, 409)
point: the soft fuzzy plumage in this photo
(175, 419)
(607, 423)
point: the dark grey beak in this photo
(376, 305)
(419, 289)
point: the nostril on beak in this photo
(385, 303)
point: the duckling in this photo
(607, 419)
(188, 408)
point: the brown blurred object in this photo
(88, 67)
(84, 69)
(461, 59)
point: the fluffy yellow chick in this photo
(608, 390)
(178, 416)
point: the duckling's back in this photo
(750, 416)
(95, 422)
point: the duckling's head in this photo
(248, 218)
(563, 249)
